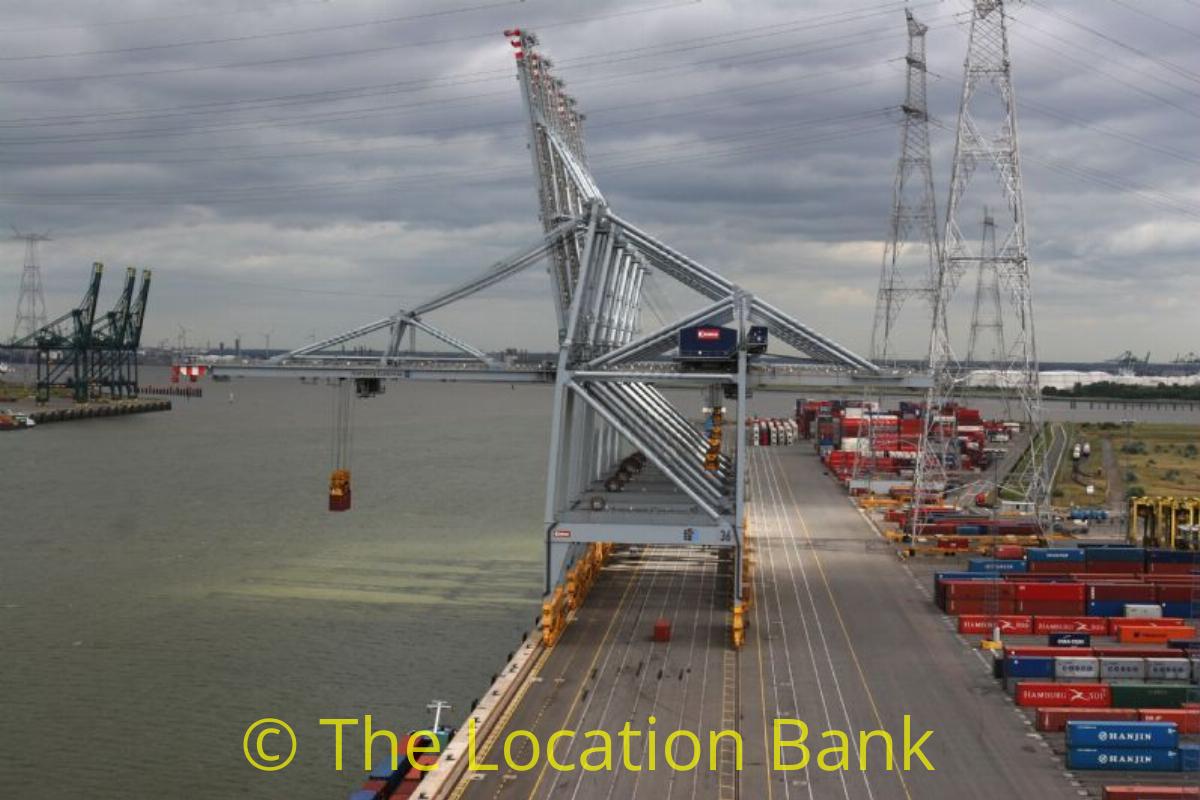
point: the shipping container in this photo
(1137, 792)
(1105, 608)
(1124, 592)
(1102, 733)
(1055, 719)
(1069, 554)
(1012, 625)
(1148, 695)
(1078, 669)
(1030, 667)
(1124, 759)
(1189, 757)
(1168, 669)
(1058, 624)
(995, 564)
(1123, 669)
(1187, 719)
(1146, 634)
(1037, 694)
(1143, 610)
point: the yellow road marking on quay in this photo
(595, 657)
(862, 676)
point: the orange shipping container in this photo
(1151, 635)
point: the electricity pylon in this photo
(986, 315)
(31, 302)
(911, 251)
(986, 142)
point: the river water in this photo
(166, 579)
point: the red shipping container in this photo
(1114, 567)
(1171, 569)
(1073, 695)
(956, 608)
(1187, 719)
(1009, 551)
(1056, 719)
(1013, 625)
(1176, 594)
(1126, 592)
(1151, 792)
(1049, 624)
(1051, 591)
(1040, 651)
(979, 590)
(1068, 608)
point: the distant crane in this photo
(1187, 358)
(1128, 362)
(267, 340)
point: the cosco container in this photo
(1092, 733)
(1123, 669)
(1168, 669)
(1125, 759)
(1084, 669)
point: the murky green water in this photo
(167, 579)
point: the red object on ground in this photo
(1055, 719)
(978, 590)
(1052, 624)
(1171, 569)
(1187, 719)
(1153, 634)
(1140, 792)
(1009, 551)
(1052, 567)
(662, 630)
(1013, 625)
(1073, 695)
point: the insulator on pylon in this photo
(513, 32)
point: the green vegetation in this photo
(1157, 459)
(1122, 391)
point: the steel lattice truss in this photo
(987, 141)
(912, 251)
(608, 404)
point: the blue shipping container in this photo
(996, 565)
(1072, 554)
(1181, 609)
(1029, 667)
(1189, 757)
(1106, 608)
(1109, 554)
(1173, 557)
(1087, 733)
(1184, 644)
(1123, 758)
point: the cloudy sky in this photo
(301, 167)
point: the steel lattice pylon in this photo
(986, 139)
(987, 313)
(31, 302)
(911, 252)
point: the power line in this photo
(144, 20)
(1175, 26)
(261, 36)
(335, 54)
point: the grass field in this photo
(1153, 459)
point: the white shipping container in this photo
(1123, 669)
(1168, 669)
(1143, 611)
(1088, 668)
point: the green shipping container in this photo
(1150, 695)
